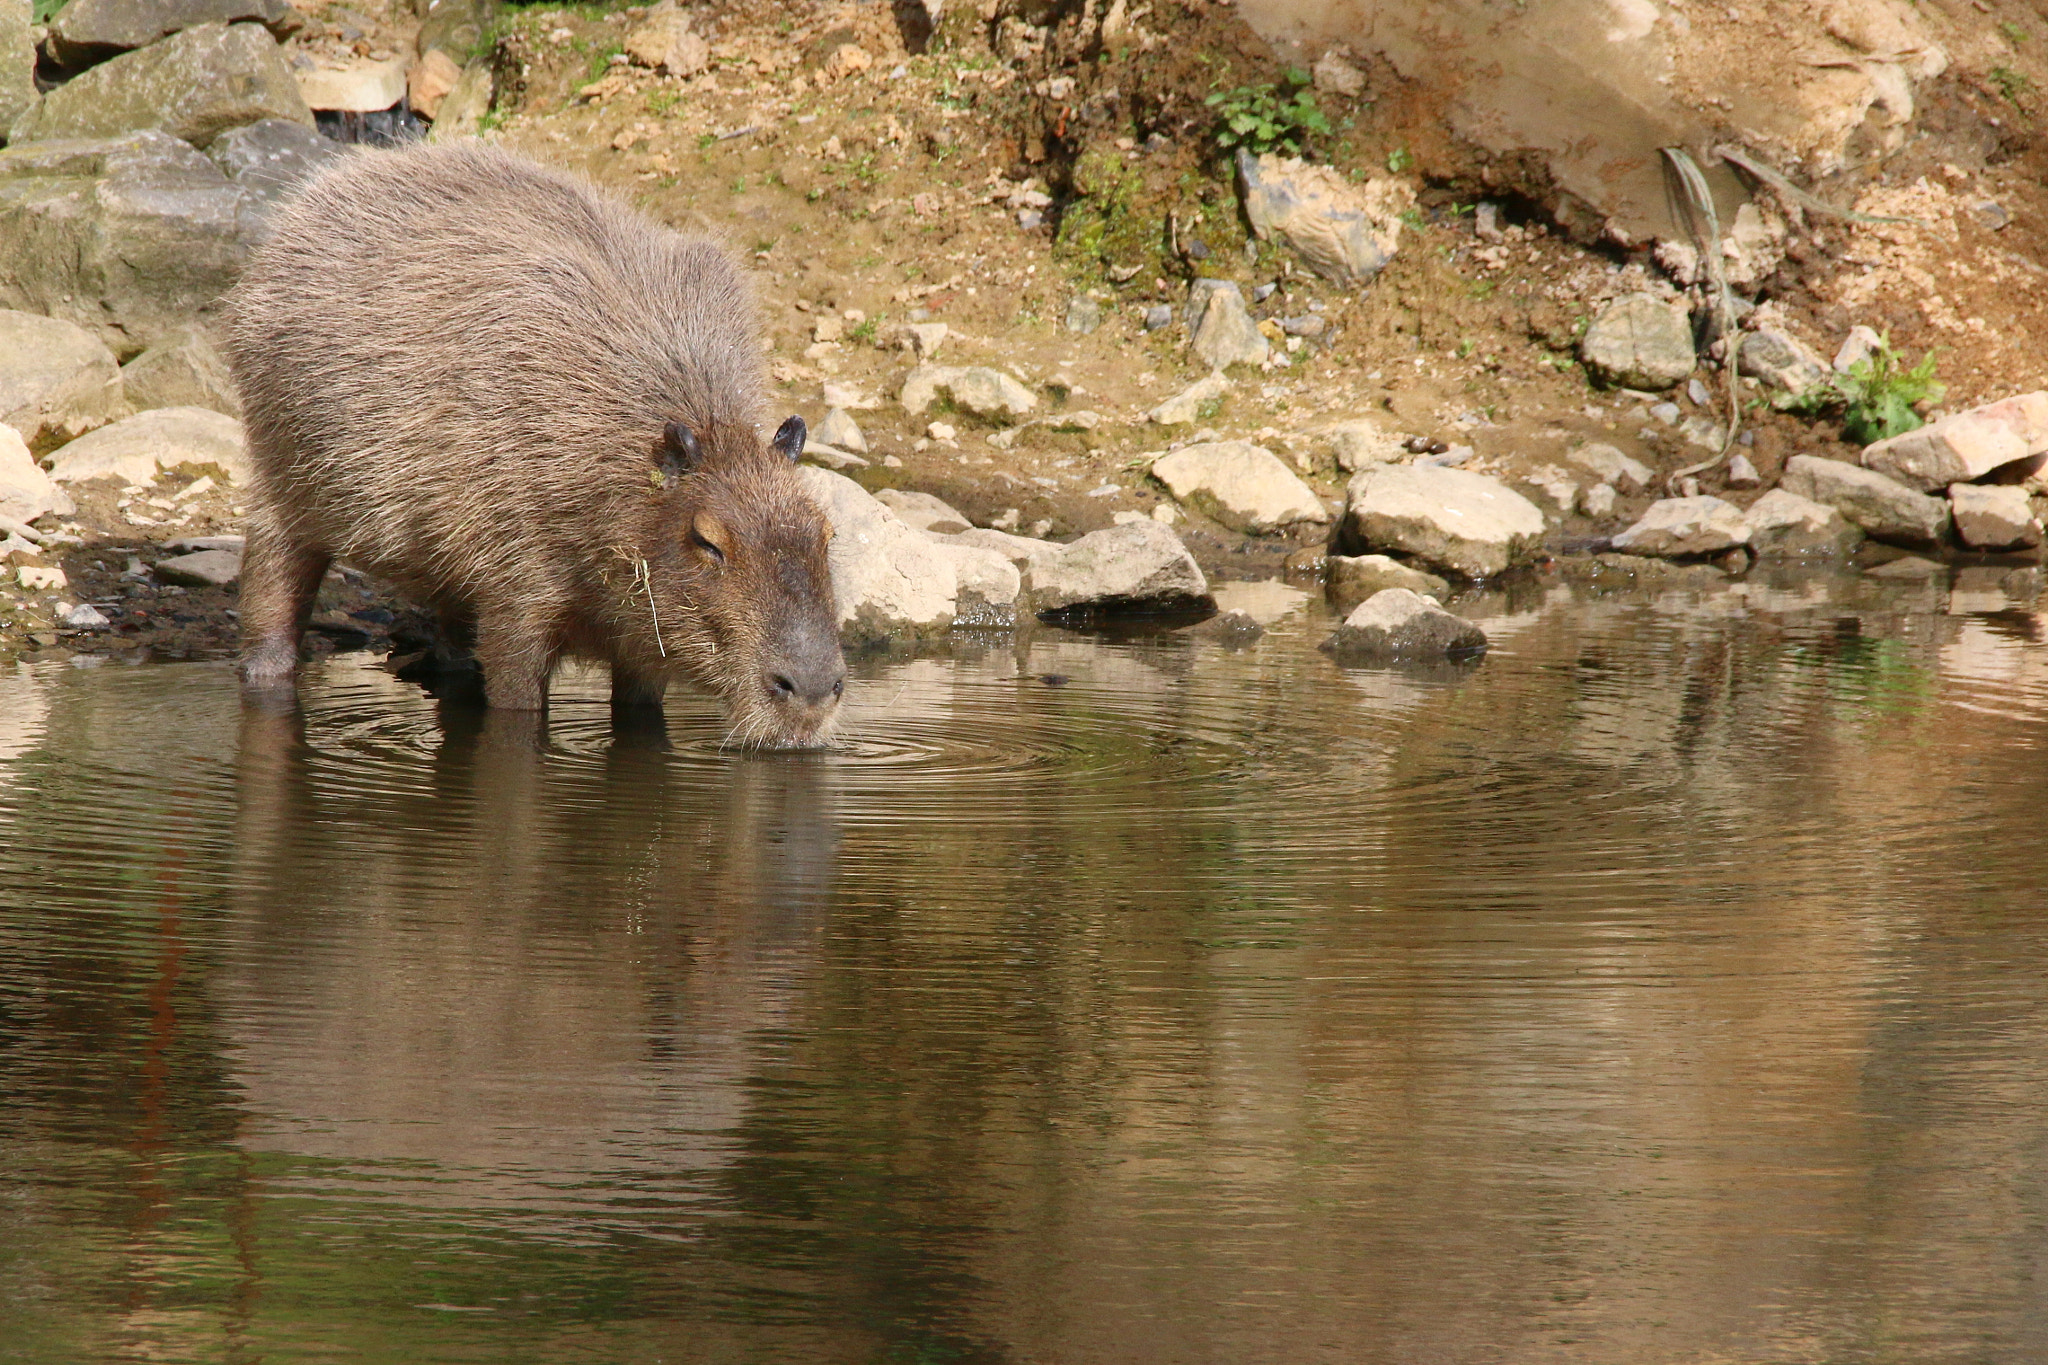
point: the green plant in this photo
(2010, 83)
(43, 11)
(2014, 34)
(1876, 397)
(600, 58)
(864, 331)
(1266, 118)
(1399, 160)
(659, 102)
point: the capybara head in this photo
(743, 586)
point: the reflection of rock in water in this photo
(22, 713)
(531, 974)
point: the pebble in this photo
(941, 431)
(85, 616)
(1741, 473)
(1697, 392)
(1264, 292)
(1157, 316)
(1667, 413)
(1030, 219)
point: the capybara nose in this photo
(814, 688)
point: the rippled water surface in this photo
(1668, 988)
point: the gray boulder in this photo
(17, 62)
(891, 579)
(136, 449)
(133, 238)
(1610, 466)
(182, 371)
(1783, 525)
(1884, 508)
(1447, 518)
(57, 381)
(1341, 231)
(1239, 485)
(1782, 361)
(1964, 446)
(1220, 327)
(1396, 624)
(1139, 566)
(1350, 579)
(1187, 405)
(193, 85)
(1640, 341)
(1672, 528)
(26, 492)
(89, 31)
(977, 389)
(267, 159)
(1994, 516)
(201, 569)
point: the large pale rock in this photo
(1783, 525)
(1672, 528)
(89, 31)
(201, 569)
(891, 579)
(17, 62)
(1884, 508)
(26, 492)
(1344, 232)
(1221, 329)
(266, 160)
(432, 79)
(1994, 516)
(1640, 341)
(1610, 466)
(665, 41)
(1187, 405)
(137, 448)
(923, 511)
(1350, 579)
(1448, 518)
(1965, 446)
(353, 87)
(1782, 361)
(840, 430)
(462, 113)
(1239, 485)
(1361, 442)
(977, 389)
(133, 238)
(193, 85)
(56, 380)
(1139, 566)
(1396, 624)
(182, 371)
(455, 27)
(1026, 553)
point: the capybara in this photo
(539, 412)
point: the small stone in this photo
(1239, 485)
(1350, 579)
(1084, 315)
(1397, 624)
(1856, 348)
(839, 429)
(1223, 333)
(1141, 566)
(846, 396)
(665, 42)
(430, 81)
(985, 392)
(1640, 342)
(1597, 500)
(923, 339)
(353, 86)
(1667, 413)
(56, 380)
(1884, 508)
(1337, 76)
(940, 431)
(1343, 232)
(1697, 392)
(1781, 360)
(182, 371)
(828, 456)
(1609, 465)
(890, 579)
(1187, 406)
(1784, 525)
(1994, 516)
(1030, 219)
(84, 616)
(1360, 442)
(1676, 527)
(26, 492)
(41, 579)
(1740, 473)
(828, 328)
(1157, 316)
(201, 569)
(1309, 325)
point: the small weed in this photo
(43, 12)
(2013, 32)
(601, 59)
(739, 184)
(2011, 84)
(1483, 289)
(659, 102)
(864, 331)
(1414, 219)
(1876, 397)
(1208, 409)
(1399, 160)
(704, 141)
(1266, 118)
(1466, 348)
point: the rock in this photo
(201, 569)
(1395, 624)
(1332, 73)
(1597, 500)
(1138, 567)
(1350, 579)
(1911, 568)
(832, 457)
(182, 371)
(1856, 347)
(1994, 516)
(133, 238)
(1447, 518)
(1609, 465)
(1884, 508)
(1157, 316)
(455, 27)
(1964, 446)
(1640, 342)
(26, 492)
(193, 85)
(839, 429)
(89, 31)
(83, 616)
(891, 579)
(1025, 553)
(1187, 405)
(187, 544)
(1672, 528)
(17, 62)
(1239, 485)
(353, 87)
(923, 511)
(1740, 473)
(39, 579)
(430, 81)
(1784, 525)
(1361, 442)
(137, 448)
(1782, 361)
(665, 42)
(1084, 315)
(941, 431)
(1557, 489)
(462, 112)
(976, 388)
(1221, 328)
(268, 158)
(1344, 232)
(923, 339)
(1261, 601)
(57, 381)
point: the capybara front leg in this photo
(279, 582)
(517, 653)
(633, 689)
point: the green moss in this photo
(1111, 217)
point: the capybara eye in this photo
(707, 547)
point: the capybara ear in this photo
(680, 452)
(789, 438)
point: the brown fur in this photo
(456, 370)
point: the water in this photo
(1668, 988)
